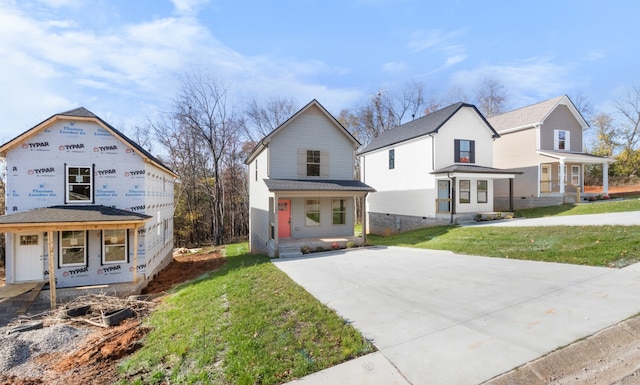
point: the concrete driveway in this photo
(441, 318)
(628, 218)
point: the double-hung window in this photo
(482, 191)
(339, 212)
(312, 211)
(73, 250)
(561, 140)
(114, 246)
(465, 191)
(313, 163)
(79, 184)
(464, 151)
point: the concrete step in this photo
(290, 252)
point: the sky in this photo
(123, 59)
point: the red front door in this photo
(284, 218)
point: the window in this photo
(339, 212)
(313, 163)
(482, 191)
(465, 191)
(392, 159)
(464, 151)
(73, 250)
(79, 184)
(561, 140)
(256, 169)
(575, 175)
(312, 210)
(29, 240)
(114, 246)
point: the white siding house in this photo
(85, 205)
(302, 185)
(432, 170)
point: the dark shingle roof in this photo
(471, 169)
(317, 185)
(424, 125)
(73, 214)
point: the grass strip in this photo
(600, 207)
(613, 246)
(247, 323)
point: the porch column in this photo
(511, 194)
(605, 178)
(52, 271)
(364, 219)
(135, 254)
(276, 239)
(562, 176)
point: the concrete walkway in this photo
(442, 318)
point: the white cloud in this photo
(186, 7)
(52, 64)
(439, 42)
(395, 67)
(528, 81)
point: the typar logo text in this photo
(76, 147)
(106, 173)
(110, 269)
(36, 146)
(45, 171)
(134, 174)
(113, 149)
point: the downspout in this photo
(453, 196)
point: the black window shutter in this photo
(456, 153)
(93, 183)
(472, 150)
(86, 247)
(127, 247)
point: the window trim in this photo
(61, 248)
(126, 247)
(566, 141)
(307, 211)
(575, 175)
(343, 212)
(486, 191)
(463, 191)
(457, 151)
(67, 184)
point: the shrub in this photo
(305, 249)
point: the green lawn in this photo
(613, 246)
(247, 323)
(598, 207)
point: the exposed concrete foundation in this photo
(385, 224)
(519, 203)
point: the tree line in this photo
(206, 137)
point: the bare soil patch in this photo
(622, 189)
(3, 276)
(94, 360)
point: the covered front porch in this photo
(72, 246)
(305, 215)
(562, 175)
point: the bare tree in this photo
(491, 97)
(628, 106)
(262, 119)
(583, 104)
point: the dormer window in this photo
(561, 140)
(464, 151)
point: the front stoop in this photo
(290, 252)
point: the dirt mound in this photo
(185, 267)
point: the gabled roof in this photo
(425, 125)
(529, 116)
(83, 114)
(264, 142)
